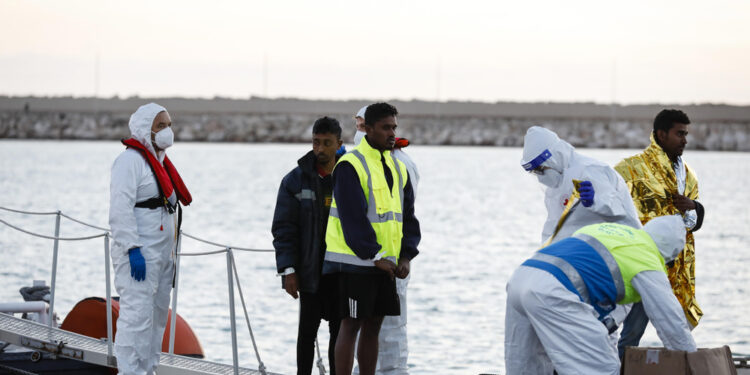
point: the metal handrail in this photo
(86, 224)
(224, 245)
(109, 230)
(29, 212)
(52, 237)
(231, 276)
(202, 253)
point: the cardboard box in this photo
(658, 361)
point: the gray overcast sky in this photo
(630, 51)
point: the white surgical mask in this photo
(550, 178)
(164, 138)
(358, 136)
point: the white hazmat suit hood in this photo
(140, 125)
(361, 112)
(668, 232)
(542, 147)
(358, 135)
(143, 304)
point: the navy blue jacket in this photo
(299, 223)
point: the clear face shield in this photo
(547, 176)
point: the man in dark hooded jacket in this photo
(299, 225)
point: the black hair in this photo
(378, 111)
(327, 125)
(666, 119)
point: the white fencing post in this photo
(230, 285)
(51, 320)
(173, 321)
(109, 296)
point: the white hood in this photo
(361, 112)
(538, 139)
(140, 124)
(668, 232)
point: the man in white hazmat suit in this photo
(393, 351)
(144, 193)
(556, 164)
(554, 297)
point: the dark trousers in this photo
(633, 328)
(310, 315)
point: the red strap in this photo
(166, 175)
(182, 191)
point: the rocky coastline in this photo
(201, 120)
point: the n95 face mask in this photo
(164, 138)
(550, 178)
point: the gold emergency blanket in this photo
(652, 183)
(569, 207)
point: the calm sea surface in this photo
(481, 216)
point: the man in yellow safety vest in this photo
(371, 237)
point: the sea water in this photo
(480, 215)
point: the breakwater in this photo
(583, 125)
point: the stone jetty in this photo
(714, 127)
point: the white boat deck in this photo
(35, 336)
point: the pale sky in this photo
(627, 51)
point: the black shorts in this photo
(364, 295)
(327, 297)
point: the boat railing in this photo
(232, 277)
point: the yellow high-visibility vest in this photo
(633, 251)
(384, 206)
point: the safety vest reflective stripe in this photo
(614, 268)
(372, 214)
(570, 272)
(305, 194)
(353, 259)
(382, 218)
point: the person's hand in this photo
(586, 190)
(137, 264)
(290, 285)
(403, 268)
(387, 266)
(683, 203)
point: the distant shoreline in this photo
(714, 126)
(707, 111)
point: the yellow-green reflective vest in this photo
(633, 251)
(599, 261)
(384, 206)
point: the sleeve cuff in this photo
(287, 271)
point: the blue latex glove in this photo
(341, 151)
(587, 193)
(137, 264)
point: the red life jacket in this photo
(170, 183)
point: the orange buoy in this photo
(89, 318)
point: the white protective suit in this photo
(548, 327)
(144, 305)
(393, 351)
(612, 200)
